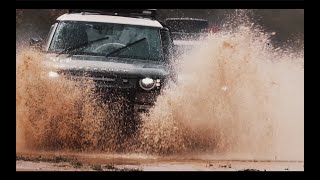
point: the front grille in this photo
(101, 80)
(115, 82)
(109, 82)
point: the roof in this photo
(89, 17)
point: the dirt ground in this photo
(138, 162)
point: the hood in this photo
(112, 66)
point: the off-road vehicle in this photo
(126, 52)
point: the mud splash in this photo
(237, 96)
(60, 114)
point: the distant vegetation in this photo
(287, 23)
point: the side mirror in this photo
(36, 43)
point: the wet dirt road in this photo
(137, 162)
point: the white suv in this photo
(123, 51)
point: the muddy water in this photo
(237, 98)
(60, 114)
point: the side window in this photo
(50, 34)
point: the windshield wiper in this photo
(124, 47)
(81, 45)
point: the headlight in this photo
(148, 83)
(53, 74)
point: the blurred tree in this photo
(287, 23)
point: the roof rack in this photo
(144, 13)
(186, 19)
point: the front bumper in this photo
(140, 100)
(110, 89)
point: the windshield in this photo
(113, 36)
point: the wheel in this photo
(130, 123)
(121, 106)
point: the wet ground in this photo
(139, 162)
